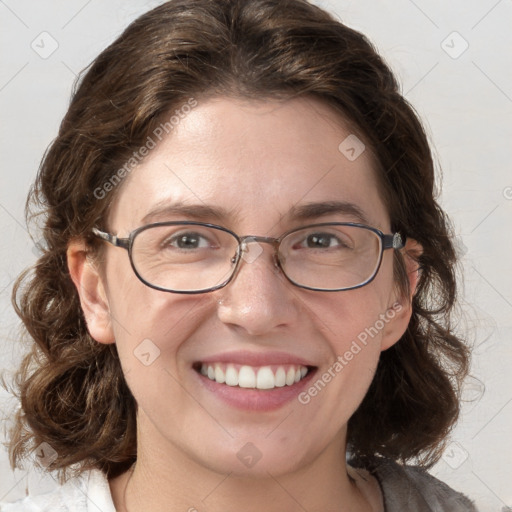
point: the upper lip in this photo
(256, 358)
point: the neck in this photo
(172, 481)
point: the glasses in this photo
(195, 257)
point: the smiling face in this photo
(256, 168)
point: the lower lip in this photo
(255, 399)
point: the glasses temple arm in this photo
(113, 239)
(395, 241)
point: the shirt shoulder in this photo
(89, 492)
(412, 488)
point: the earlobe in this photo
(401, 310)
(91, 290)
(398, 316)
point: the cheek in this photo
(353, 324)
(359, 315)
(354, 337)
(352, 328)
(149, 325)
(150, 345)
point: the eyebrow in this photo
(195, 211)
(311, 211)
(304, 212)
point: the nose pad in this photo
(251, 250)
(279, 261)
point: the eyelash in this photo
(173, 239)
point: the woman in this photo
(245, 298)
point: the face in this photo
(255, 163)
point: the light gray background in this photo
(465, 100)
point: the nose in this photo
(259, 299)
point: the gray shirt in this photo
(410, 488)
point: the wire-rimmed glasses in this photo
(197, 257)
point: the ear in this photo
(399, 314)
(90, 286)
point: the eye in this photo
(188, 240)
(322, 241)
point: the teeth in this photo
(290, 377)
(231, 376)
(246, 377)
(280, 378)
(219, 375)
(254, 378)
(265, 378)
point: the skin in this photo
(256, 159)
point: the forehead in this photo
(255, 161)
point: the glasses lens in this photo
(184, 257)
(331, 257)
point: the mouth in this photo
(253, 381)
(263, 378)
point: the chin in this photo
(254, 459)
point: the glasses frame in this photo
(388, 241)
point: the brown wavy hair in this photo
(72, 390)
